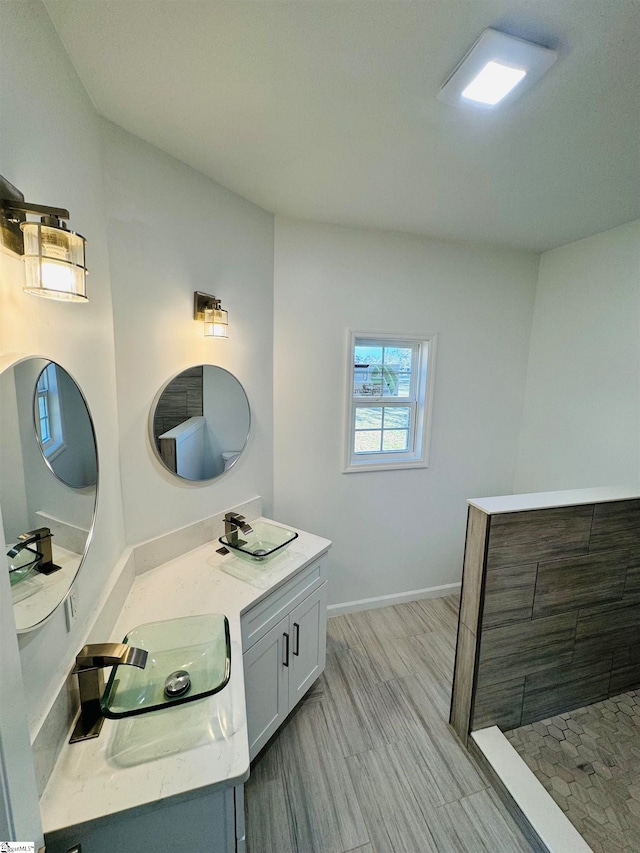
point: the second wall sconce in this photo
(53, 256)
(209, 310)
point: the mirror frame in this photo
(152, 439)
(8, 362)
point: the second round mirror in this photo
(200, 423)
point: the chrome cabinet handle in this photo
(296, 647)
(286, 649)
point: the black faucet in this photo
(41, 538)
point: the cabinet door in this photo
(308, 643)
(266, 685)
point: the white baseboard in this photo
(393, 598)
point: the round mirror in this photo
(48, 484)
(199, 423)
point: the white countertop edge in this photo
(85, 786)
(549, 500)
(545, 816)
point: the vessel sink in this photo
(187, 659)
(22, 564)
(265, 541)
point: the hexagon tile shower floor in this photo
(589, 761)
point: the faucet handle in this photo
(34, 535)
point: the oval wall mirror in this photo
(199, 423)
(48, 485)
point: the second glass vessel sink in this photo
(188, 658)
(265, 541)
(22, 564)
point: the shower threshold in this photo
(575, 777)
(542, 820)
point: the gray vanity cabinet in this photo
(202, 823)
(284, 640)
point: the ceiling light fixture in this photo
(53, 255)
(209, 309)
(498, 68)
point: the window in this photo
(47, 413)
(389, 401)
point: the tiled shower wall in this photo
(181, 400)
(550, 613)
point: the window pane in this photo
(366, 361)
(398, 361)
(397, 417)
(368, 418)
(395, 439)
(43, 417)
(367, 354)
(387, 377)
(44, 430)
(368, 441)
(43, 384)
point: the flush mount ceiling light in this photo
(497, 69)
(53, 255)
(209, 310)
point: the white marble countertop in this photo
(98, 778)
(548, 500)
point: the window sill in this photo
(384, 466)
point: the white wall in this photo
(581, 422)
(156, 231)
(13, 490)
(226, 414)
(173, 231)
(399, 530)
(51, 150)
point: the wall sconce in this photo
(209, 309)
(53, 255)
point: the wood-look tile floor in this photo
(367, 761)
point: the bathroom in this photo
(536, 383)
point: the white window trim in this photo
(419, 456)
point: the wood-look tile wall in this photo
(550, 613)
(181, 400)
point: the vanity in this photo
(173, 779)
(166, 770)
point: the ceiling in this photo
(327, 110)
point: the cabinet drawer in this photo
(259, 619)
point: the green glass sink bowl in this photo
(265, 541)
(22, 564)
(200, 645)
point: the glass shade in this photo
(54, 262)
(216, 323)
